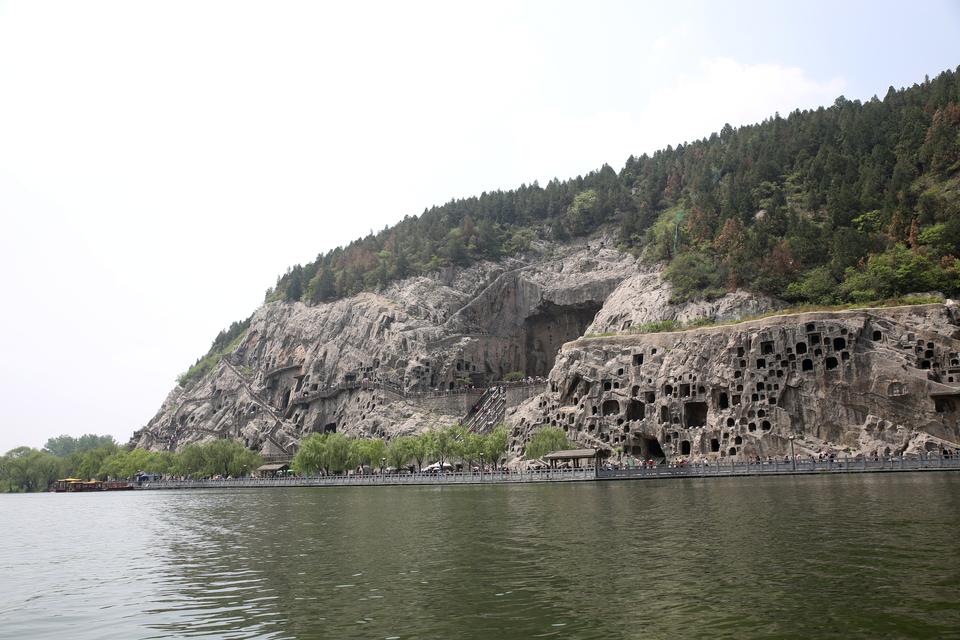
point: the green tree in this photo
(65, 445)
(472, 447)
(26, 470)
(368, 452)
(495, 445)
(441, 443)
(583, 212)
(217, 458)
(311, 456)
(695, 275)
(399, 452)
(419, 449)
(547, 440)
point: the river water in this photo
(865, 556)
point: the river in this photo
(864, 556)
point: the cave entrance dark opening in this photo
(685, 448)
(650, 448)
(635, 410)
(610, 408)
(547, 330)
(695, 414)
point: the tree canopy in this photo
(783, 207)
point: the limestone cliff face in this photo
(645, 297)
(866, 381)
(375, 363)
(420, 353)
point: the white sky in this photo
(161, 163)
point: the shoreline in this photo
(586, 474)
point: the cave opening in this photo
(723, 403)
(635, 410)
(610, 407)
(695, 414)
(651, 449)
(547, 330)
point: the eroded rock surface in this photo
(420, 354)
(398, 361)
(866, 381)
(645, 297)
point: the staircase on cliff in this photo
(488, 411)
(270, 436)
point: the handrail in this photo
(718, 468)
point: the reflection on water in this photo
(864, 556)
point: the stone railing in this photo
(803, 466)
(388, 479)
(661, 471)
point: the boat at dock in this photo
(75, 485)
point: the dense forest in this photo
(852, 203)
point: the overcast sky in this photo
(161, 163)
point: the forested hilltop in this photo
(852, 203)
(812, 207)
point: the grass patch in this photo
(667, 326)
(202, 366)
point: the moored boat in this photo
(75, 485)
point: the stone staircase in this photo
(488, 411)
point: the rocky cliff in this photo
(402, 360)
(422, 352)
(875, 381)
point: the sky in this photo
(161, 163)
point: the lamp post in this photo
(383, 462)
(793, 457)
(481, 467)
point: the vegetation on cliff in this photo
(847, 204)
(225, 342)
(667, 326)
(853, 202)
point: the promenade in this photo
(706, 470)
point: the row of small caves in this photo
(685, 415)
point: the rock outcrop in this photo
(645, 297)
(875, 381)
(418, 354)
(422, 353)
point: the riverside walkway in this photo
(705, 470)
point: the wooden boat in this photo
(74, 485)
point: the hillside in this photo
(416, 326)
(851, 203)
(783, 207)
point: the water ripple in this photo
(857, 557)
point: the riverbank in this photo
(587, 474)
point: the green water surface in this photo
(872, 556)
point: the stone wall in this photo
(518, 394)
